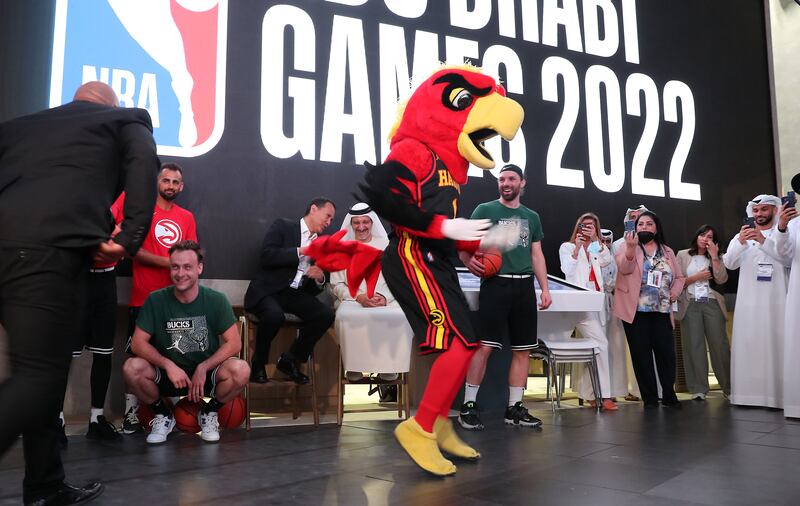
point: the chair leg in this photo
(407, 394)
(314, 403)
(598, 400)
(598, 391)
(340, 394)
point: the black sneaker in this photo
(131, 424)
(518, 415)
(470, 416)
(63, 442)
(102, 430)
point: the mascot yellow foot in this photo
(449, 441)
(422, 448)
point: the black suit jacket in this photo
(62, 168)
(278, 263)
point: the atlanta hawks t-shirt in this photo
(166, 229)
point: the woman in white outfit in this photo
(582, 260)
(373, 332)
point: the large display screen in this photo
(268, 104)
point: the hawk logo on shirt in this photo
(167, 232)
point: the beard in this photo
(764, 220)
(168, 197)
(510, 196)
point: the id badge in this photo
(764, 272)
(701, 291)
(654, 278)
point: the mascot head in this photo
(453, 113)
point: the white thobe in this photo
(372, 339)
(788, 246)
(758, 340)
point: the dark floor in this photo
(708, 453)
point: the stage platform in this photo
(707, 453)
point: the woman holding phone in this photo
(702, 313)
(582, 260)
(649, 280)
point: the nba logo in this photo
(166, 56)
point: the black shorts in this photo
(98, 314)
(507, 312)
(167, 389)
(425, 285)
(133, 313)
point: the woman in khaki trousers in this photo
(702, 312)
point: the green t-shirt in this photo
(187, 334)
(518, 259)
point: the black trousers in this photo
(40, 295)
(649, 335)
(316, 316)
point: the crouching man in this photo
(186, 340)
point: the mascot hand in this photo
(503, 237)
(461, 229)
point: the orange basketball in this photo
(232, 414)
(492, 260)
(185, 414)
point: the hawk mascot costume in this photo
(439, 132)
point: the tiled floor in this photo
(707, 453)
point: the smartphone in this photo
(790, 198)
(750, 222)
(630, 226)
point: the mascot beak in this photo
(491, 115)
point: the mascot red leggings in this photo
(439, 132)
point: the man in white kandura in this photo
(787, 240)
(373, 332)
(758, 319)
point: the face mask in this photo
(594, 247)
(645, 237)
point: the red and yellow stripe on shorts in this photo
(429, 295)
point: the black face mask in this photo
(645, 237)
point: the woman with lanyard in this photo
(649, 280)
(582, 260)
(702, 313)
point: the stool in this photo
(294, 322)
(403, 398)
(571, 351)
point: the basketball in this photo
(232, 414)
(145, 415)
(492, 260)
(185, 414)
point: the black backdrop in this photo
(716, 47)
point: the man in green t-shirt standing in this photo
(507, 301)
(186, 341)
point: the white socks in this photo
(515, 395)
(95, 413)
(470, 392)
(61, 416)
(131, 402)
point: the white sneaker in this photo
(388, 376)
(699, 396)
(354, 375)
(209, 426)
(160, 427)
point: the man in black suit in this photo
(288, 282)
(60, 171)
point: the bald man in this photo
(60, 171)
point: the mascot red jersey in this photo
(439, 132)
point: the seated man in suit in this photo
(288, 282)
(373, 332)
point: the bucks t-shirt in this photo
(187, 334)
(517, 260)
